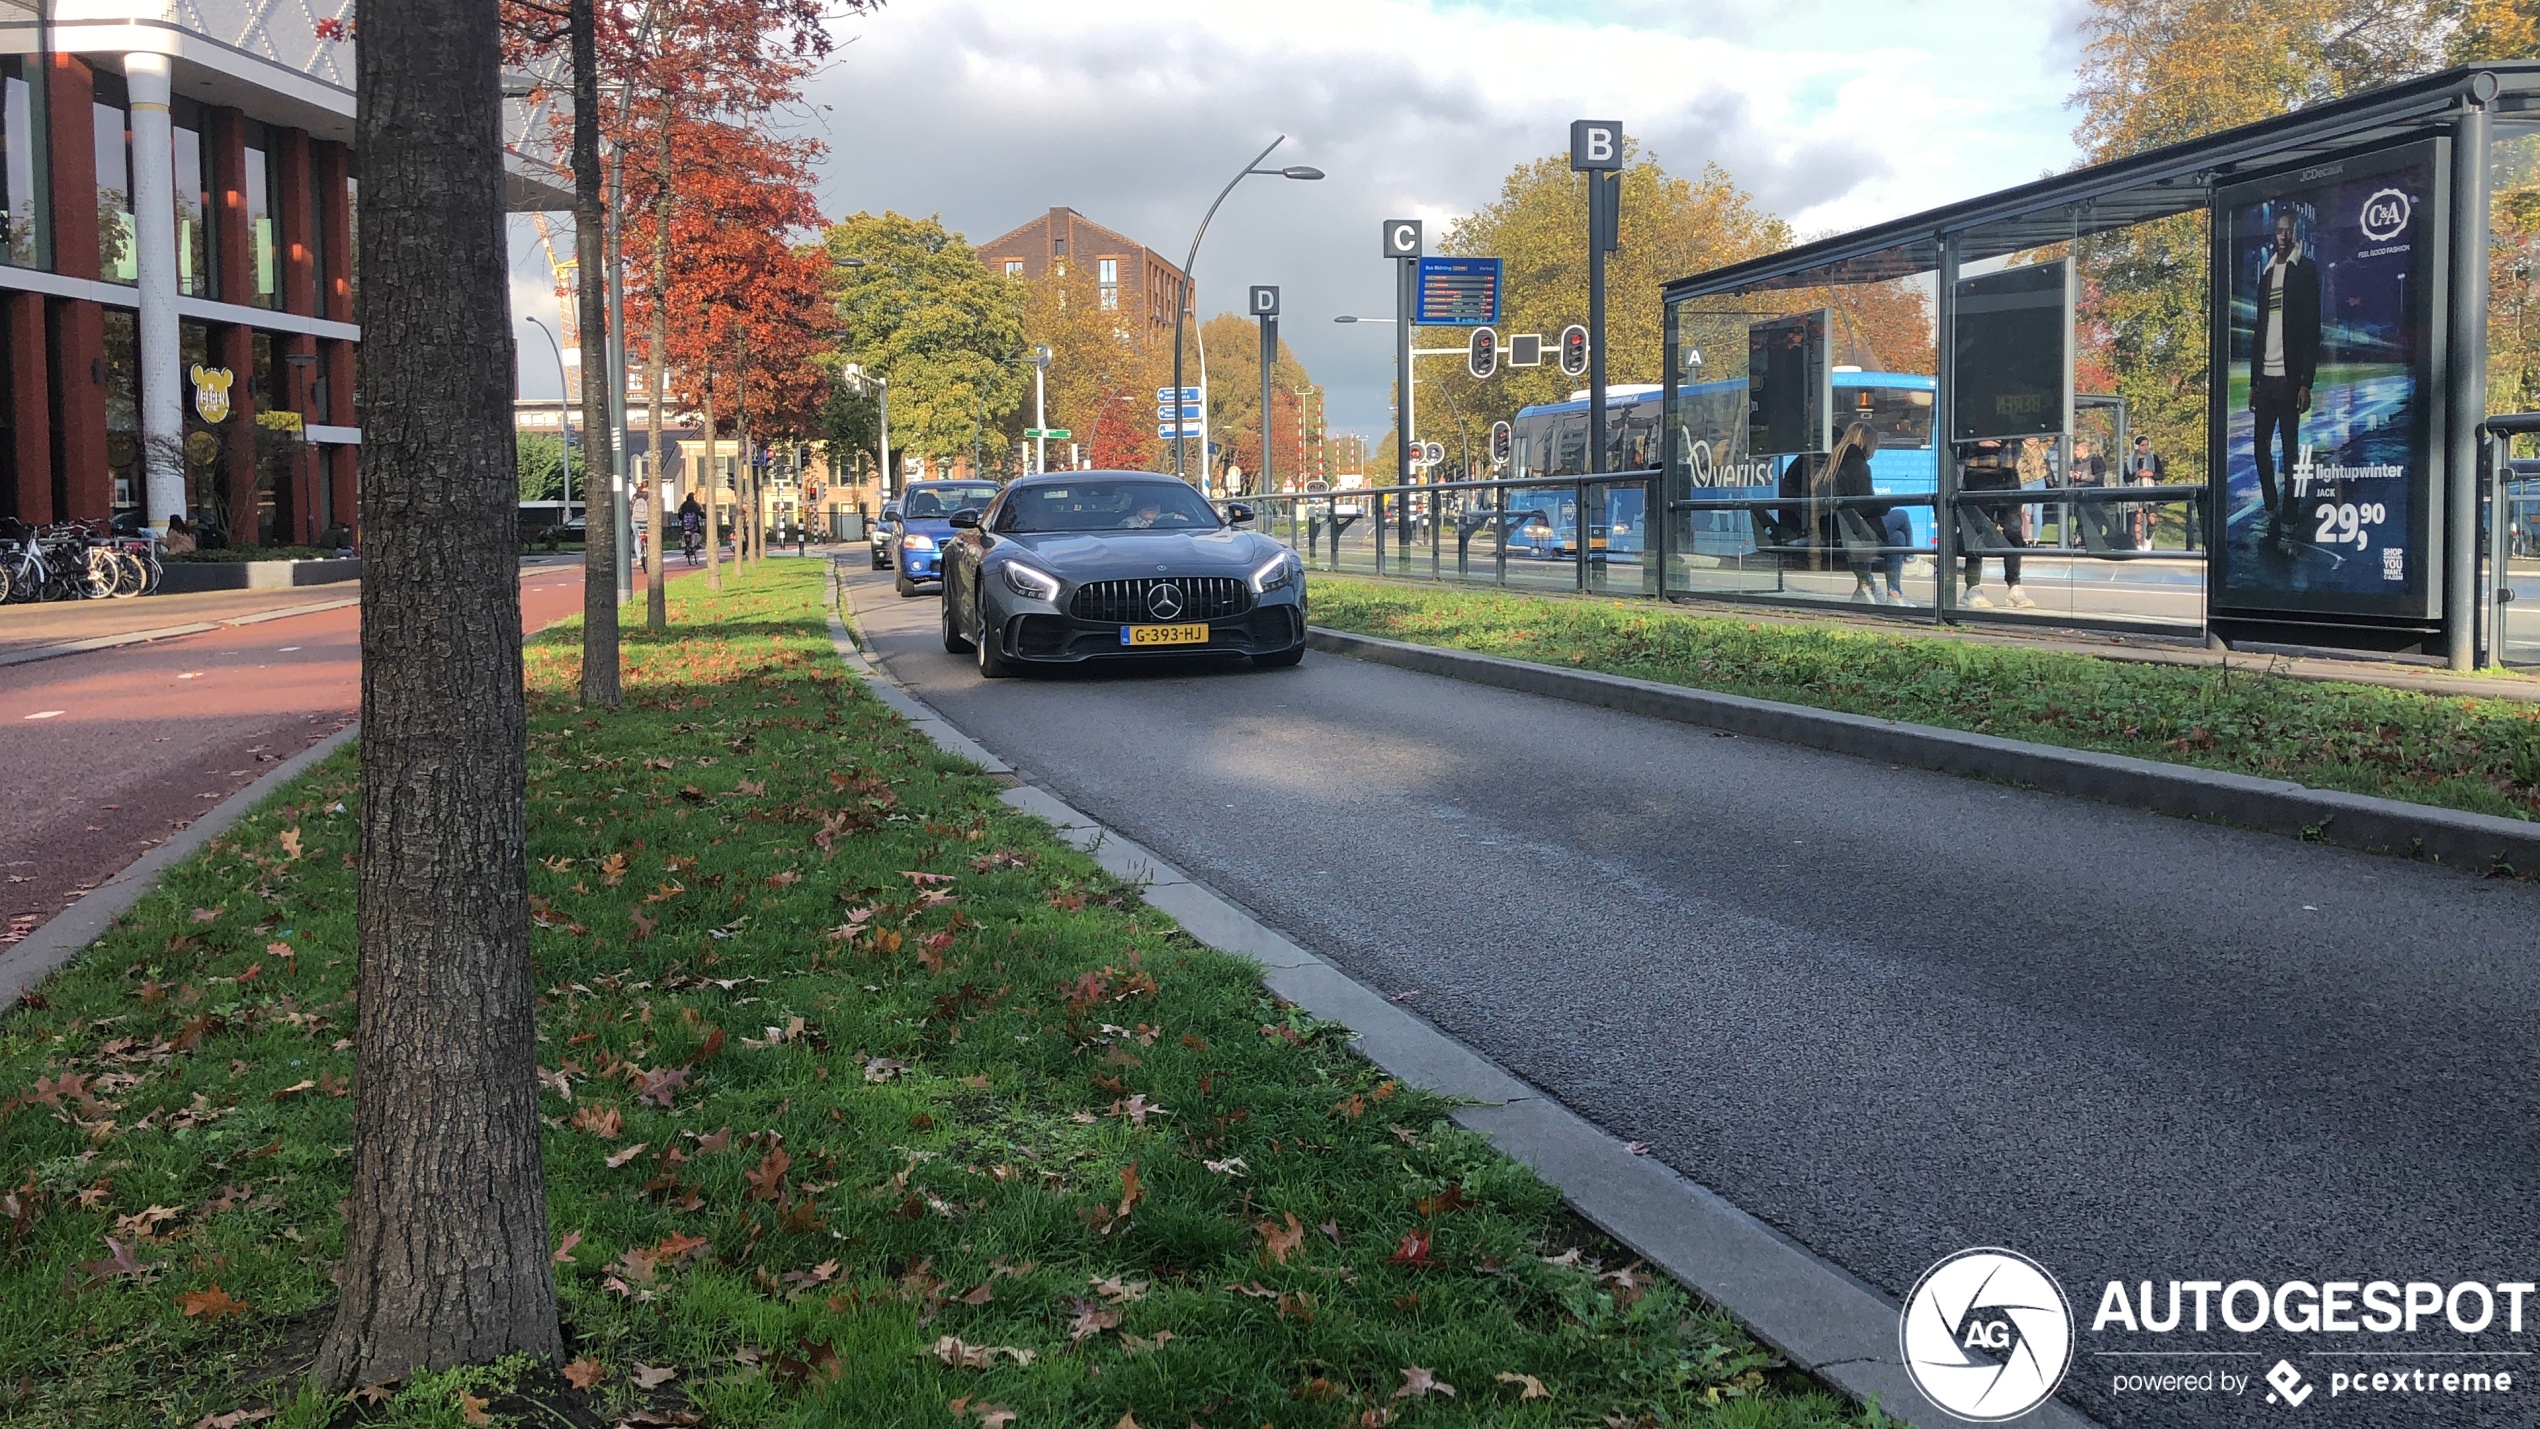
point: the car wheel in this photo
(901, 583)
(954, 642)
(1279, 659)
(992, 663)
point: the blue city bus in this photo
(1710, 460)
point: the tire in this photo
(130, 577)
(97, 579)
(954, 641)
(1280, 659)
(901, 583)
(8, 586)
(992, 663)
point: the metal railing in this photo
(1598, 533)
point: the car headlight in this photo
(917, 541)
(1277, 572)
(1031, 583)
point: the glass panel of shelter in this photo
(2513, 382)
(1793, 406)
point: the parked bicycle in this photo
(76, 560)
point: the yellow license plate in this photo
(1163, 635)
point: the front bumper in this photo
(921, 565)
(1057, 639)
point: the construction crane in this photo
(568, 272)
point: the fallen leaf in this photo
(295, 1089)
(1277, 1243)
(207, 915)
(584, 1373)
(141, 1223)
(1092, 1318)
(1533, 1387)
(118, 1262)
(659, 1083)
(564, 1248)
(1414, 1249)
(961, 1354)
(649, 1377)
(1140, 1344)
(719, 1141)
(882, 1069)
(1231, 1166)
(630, 1153)
(1445, 1202)
(373, 1393)
(768, 1181)
(604, 1122)
(1120, 1290)
(210, 1304)
(1331, 1230)
(291, 842)
(1567, 1259)
(472, 1409)
(1419, 1383)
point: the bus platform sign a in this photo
(1457, 292)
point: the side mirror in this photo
(966, 519)
(1237, 513)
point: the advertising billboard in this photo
(2012, 341)
(2323, 408)
(1790, 386)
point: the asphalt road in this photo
(106, 754)
(1893, 1013)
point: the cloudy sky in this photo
(1834, 113)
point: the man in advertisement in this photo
(2321, 405)
(2285, 362)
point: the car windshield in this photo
(934, 503)
(1126, 505)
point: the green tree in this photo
(540, 476)
(923, 313)
(1234, 399)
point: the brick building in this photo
(1131, 276)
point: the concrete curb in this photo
(2478, 842)
(143, 637)
(1815, 1314)
(74, 928)
(186, 576)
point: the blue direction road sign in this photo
(1190, 412)
(1166, 431)
(1457, 292)
(1165, 394)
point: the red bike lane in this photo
(109, 753)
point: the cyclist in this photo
(692, 523)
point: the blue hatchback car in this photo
(924, 524)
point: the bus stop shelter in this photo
(2294, 314)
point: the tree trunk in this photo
(714, 494)
(657, 601)
(447, 1254)
(741, 429)
(590, 221)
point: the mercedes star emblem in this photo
(1165, 601)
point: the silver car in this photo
(1083, 565)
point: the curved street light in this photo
(1182, 304)
(564, 420)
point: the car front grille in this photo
(1128, 602)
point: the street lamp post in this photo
(564, 419)
(1183, 302)
(1040, 410)
(890, 478)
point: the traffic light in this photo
(1574, 352)
(1481, 355)
(1503, 443)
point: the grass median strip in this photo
(870, 1103)
(2450, 751)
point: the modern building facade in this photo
(1131, 277)
(177, 283)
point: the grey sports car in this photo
(1080, 565)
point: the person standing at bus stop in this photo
(1996, 526)
(2144, 467)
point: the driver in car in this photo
(1145, 514)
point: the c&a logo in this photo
(2384, 216)
(1987, 1334)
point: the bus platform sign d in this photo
(1457, 292)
